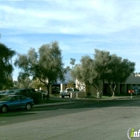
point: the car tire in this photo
(28, 106)
(4, 109)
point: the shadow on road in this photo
(78, 105)
(16, 113)
(93, 104)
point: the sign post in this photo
(131, 92)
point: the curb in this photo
(73, 102)
(53, 104)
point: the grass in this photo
(57, 99)
(109, 96)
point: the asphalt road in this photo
(84, 120)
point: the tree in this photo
(71, 84)
(46, 64)
(85, 73)
(121, 70)
(6, 67)
(112, 68)
(72, 62)
(103, 67)
(24, 81)
(37, 84)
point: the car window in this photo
(24, 91)
(32, 90)
(20, 91)
(9, 91)
(5, 98)
(2, 92)
(17, 91)
(23, 97)
(76, 89)
(15, 98)
(69, 89)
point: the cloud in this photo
(71, 17)
(79, 26)
(36, 20)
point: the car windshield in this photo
(5, 98)
(69, 89)
(2, 92)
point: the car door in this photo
(23, 101)
(15, 102)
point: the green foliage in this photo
(72, 62)
(112, 68)
(9, 84)
(85, 72)
(104, 67)
(71, 84)
(37, 84)
(46, 64)
(6, 67)
(36, 96)
(24, 81)
(30, 92)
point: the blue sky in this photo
(80, 27)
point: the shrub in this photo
(88, 94)
(36, 96)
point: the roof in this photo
(133, 80)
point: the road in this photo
(84, 120)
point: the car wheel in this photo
(28, 107)
(4, 109)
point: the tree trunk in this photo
(99, 94)
(113, 89)
(48, 89)
(103, 87)
(49, 86)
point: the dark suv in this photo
(29, 92)
(7, 92)
(25, 91)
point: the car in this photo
(2, 94)
(67, 92)
(15, 102)
(29, 92)
(24, 91)
(7, 92)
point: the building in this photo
(133, 82)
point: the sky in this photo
(79, 26)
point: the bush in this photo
(36, 96)
(88, 94)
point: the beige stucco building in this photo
(133, 82)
